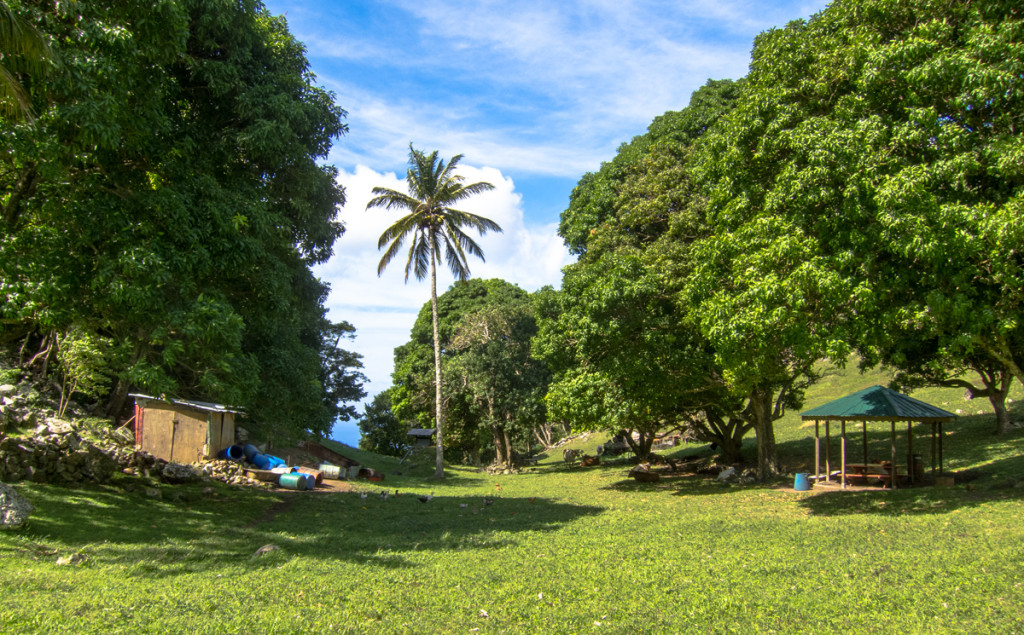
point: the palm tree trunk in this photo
(439, 469)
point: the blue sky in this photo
(533, 93)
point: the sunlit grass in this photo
(558, 550)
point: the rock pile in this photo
(68, 451)
(14, 509)
(58, 453)
(65, 458)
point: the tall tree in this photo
(492, 358)
(492, 384)
(885, 138)
(625, 352)
(169, 199)
(433, 227)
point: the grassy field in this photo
(560, 550)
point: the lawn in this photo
(559, 550)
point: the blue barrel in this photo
(235, 452)
(293, 481)
(802, 482)
(250, 451)
(310, 481)
(261, 461)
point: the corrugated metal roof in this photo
(421, 432)
(878, 403)
(199, 405)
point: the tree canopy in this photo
(169, 199)
(860, 190)
(493, 386)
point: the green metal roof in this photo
(878, 403)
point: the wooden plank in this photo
(190, 435)
(263, 475)
(157, 437)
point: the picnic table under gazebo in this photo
(869, 405)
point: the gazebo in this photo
(876, 404)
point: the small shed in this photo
(181, 430)
(876, 404)
(423, 437)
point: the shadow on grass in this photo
(162, 537)
(973, 488)
(915, 501)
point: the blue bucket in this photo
(802, 482)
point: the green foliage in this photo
(169, 196)
(861, 192)
(382, 432)
(624, 347)
(24, 55)
(491, 383)
(84, 360)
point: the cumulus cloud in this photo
(383, 309)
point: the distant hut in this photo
(423, 437)
(181, 430)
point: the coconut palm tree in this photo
(22, 50)
(432, 225)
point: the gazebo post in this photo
(864, 429)
(842, 453)
(910, 451)
(828, 451)
(933, 452)
(892, 456)
(940, 448)
(817, 451)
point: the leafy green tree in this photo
(626, 355)
(492, 385)
(169, 197)
(382, 432)
(492, 359)
(885, 138)
(83, 360)
(919, 360)
(432, 226)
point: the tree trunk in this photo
(760, 410)
(439, 469)
(642, 446)
(508, 449)
(496, 436)
(727, 435)
(998, 388)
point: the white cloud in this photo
(383, 309)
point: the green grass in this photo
(561, 550)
